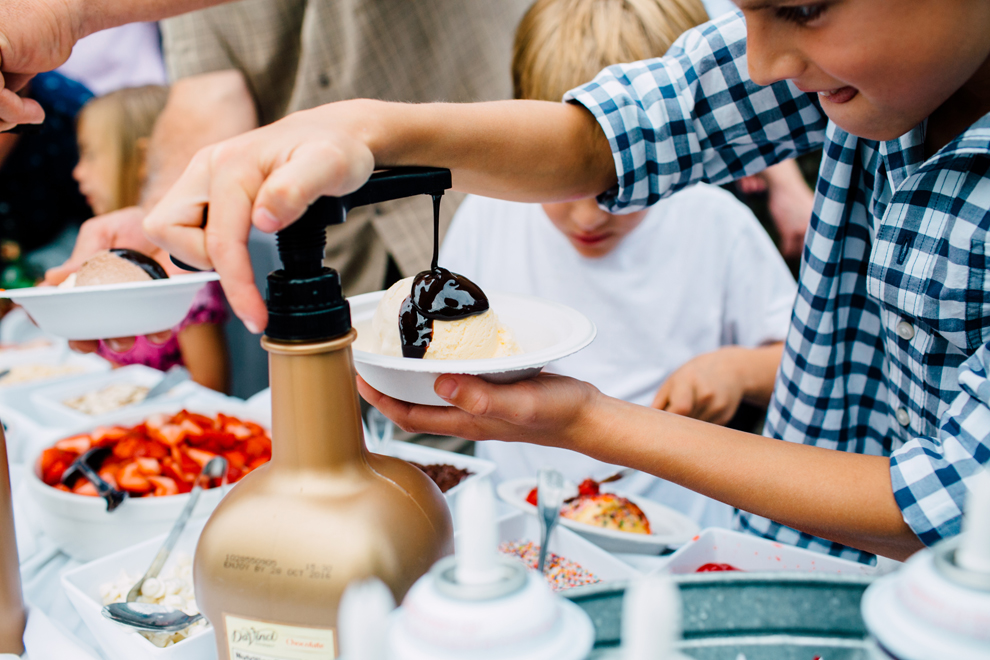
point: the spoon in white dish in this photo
(161, 618)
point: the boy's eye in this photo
(801, 14)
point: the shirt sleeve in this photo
(930, 475)
(695, 115)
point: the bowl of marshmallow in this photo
(442, 323)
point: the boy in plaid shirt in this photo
(882, 398)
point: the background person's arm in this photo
(836, 495)
(38, 35)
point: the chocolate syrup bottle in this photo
(12, 614)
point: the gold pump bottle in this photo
(281, 548)
(12, 613)
(278, 552)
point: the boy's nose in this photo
(588, 217)
(770, 55)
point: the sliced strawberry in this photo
(79, 444)
(164, 486)
(148, 466)
(201, 457)
(84, 487)
(131, 479)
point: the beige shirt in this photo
(297, 54)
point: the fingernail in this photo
(252, 327)
(445, 388)
(264, 220)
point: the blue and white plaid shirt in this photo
(888, 349)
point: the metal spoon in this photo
(85, 466)
(172, 377)
(549, 497)
(148, 616)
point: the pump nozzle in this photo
(651, 619)
(362, 620)
(974, 547)
(477, 546)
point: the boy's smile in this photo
(879, 67)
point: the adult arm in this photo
(660, 112)
(819, 491)
(38, 35)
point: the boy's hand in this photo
(120, 229)
(547, 410)
(709, 387)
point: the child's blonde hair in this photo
(125, 118)
(561, 44)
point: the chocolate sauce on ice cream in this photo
(144, 262)
(437, 294)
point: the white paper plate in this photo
(82, 586)
(546, 331)
(670, 528)
(111, 310)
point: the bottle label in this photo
(259, 640)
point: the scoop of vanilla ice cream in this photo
(470, 338)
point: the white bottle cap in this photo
(651, 618)
(477, 544)
(974, 548)
(362, 620)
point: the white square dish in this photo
(750, 553)
(50, 400)
(82, 586)
(567, 544)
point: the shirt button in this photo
(905, 330)
(903, 418)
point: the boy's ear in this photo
(141, 147)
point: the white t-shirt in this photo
(698, 273)
(125, 56)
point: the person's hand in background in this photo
(711, 386)
(119, 229)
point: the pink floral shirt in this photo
(207, 307)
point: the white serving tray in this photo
(754, 554)
(567, 544)
(545, 331)
(670, 528)
(111, 310)
(82, 586)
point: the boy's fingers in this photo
(17, 110)
(311, 171)
(681, 399)
(90, 346)
(438, 420)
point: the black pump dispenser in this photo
(305, 302)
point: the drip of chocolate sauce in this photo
(145, 263)
(437, 294)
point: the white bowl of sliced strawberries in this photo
(152, 457)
